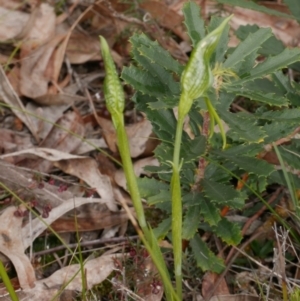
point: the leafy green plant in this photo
(263, 82)
(194, 179)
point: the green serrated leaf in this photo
(163, 121)
(167, 85)
(164, 152)
(193, 21)
(285, 115)
(278, 178)
(244, 67)
(193, 149)
(250, 150)
(251, 44)
(272, 46)
(191, 221)
(282, 82)
(228, 232)
(278, 130)
(258, 184)
(206, 260)
(144, 81)
(155, 192)
(195, 119)
(251, 165)
(272, 64)
(253, 6)
(209, 212)
(221, 49)
(223, 194)
(216, 173)
(163, 229)
(294, 8)
(291, 155)
(262, 90)
(161, 197)
(144, 47)
(150, 187)
(242, 128)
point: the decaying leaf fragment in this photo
(63, 137)
(10, 97)
(12, 246)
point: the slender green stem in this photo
(115, 103)
(7, 283)
(146, 234)
(213, 114)
(289, 183)
(131, 179)
(177, 208)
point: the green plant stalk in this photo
(213, 115)
(7, 283)
(288, 182)
(81, 264)
(131, 179)
(146, 235)
(159, 262)
(195, 80)
(177, 208)
(115, 102)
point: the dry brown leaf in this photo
(96, 221)
(138, 135)
(9, 96)
(82, 48)
(40, 27)
(36, 51)
(97, 270)
(11, 245)
(57, 99)
(109, 133)
(31, 231)
(34, 76)
(44, 117)
(166, 17)
(106, 166)
(89, 145)
(12, 23)
(49, 154)
(14, 77)
(39, 293)
(59, 138)
(87, 170)
(22, 181)
(59, 54)
(12, 141)
(287, 30)
(208, 283)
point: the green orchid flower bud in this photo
(197, 76)
(113, 90)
